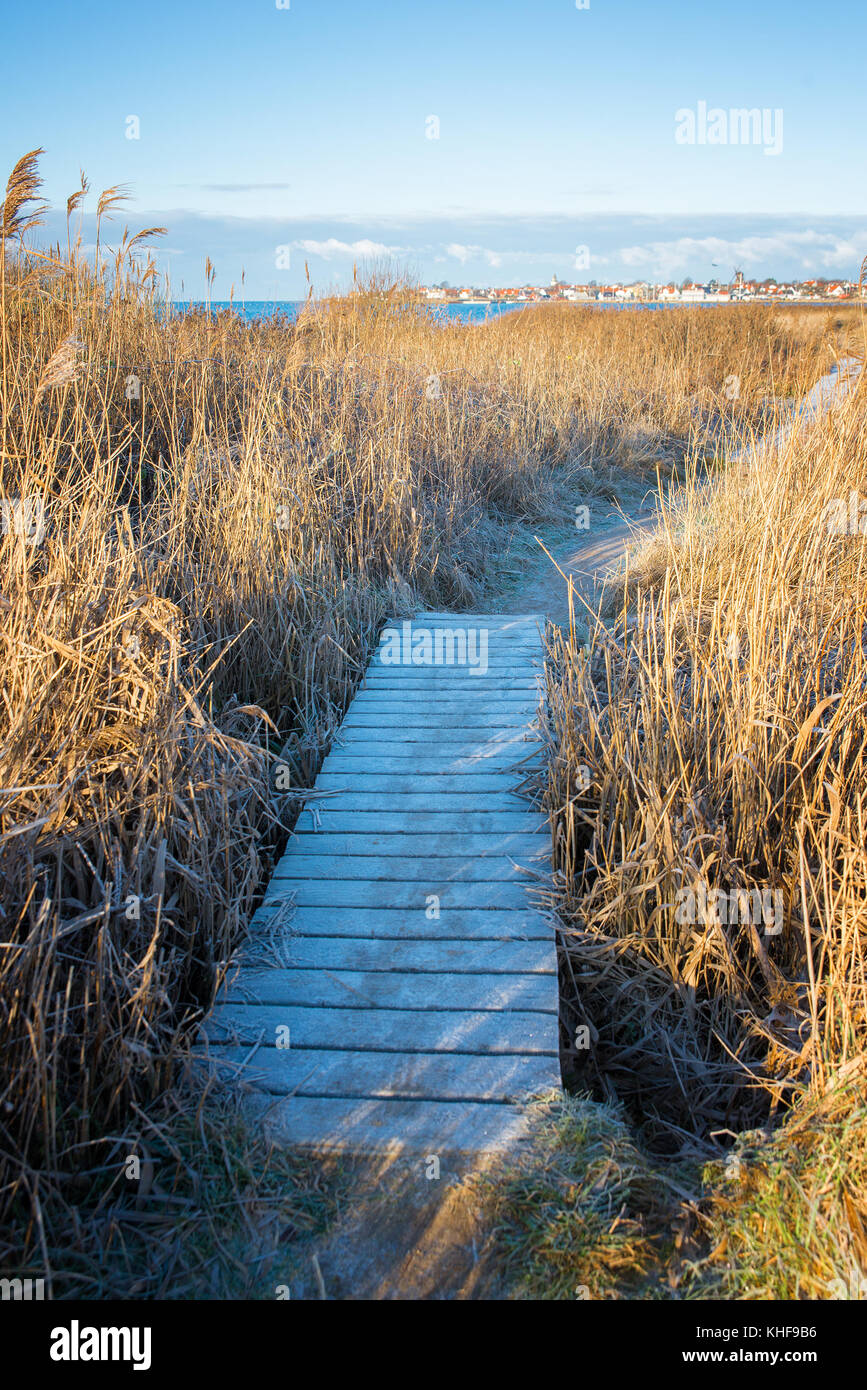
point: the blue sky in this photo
(307, 127)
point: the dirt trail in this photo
(585, 555)
(588, 554)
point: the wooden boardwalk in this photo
(410, 1000)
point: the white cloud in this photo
(800, 250)
(462, 253)
(474, 253)
(333, 248)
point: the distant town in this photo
(739, 290)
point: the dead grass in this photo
(710, 738)
(196, 1206)
(581, 1213)
(721, 722)
(206, 522)
(586, 1213)
(785, 1216)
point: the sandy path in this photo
(586, 555)
(589, 554)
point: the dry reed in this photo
(206, 522)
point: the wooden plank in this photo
(474, 804)
(455, 635)
(468, 710)
(440, 755)
(448, 681)
(335, 1124)
(383, 893)
(492, 671)
(453, 741)
(438, 645)
(430, 763)
(477, 629)
(521, 677)
(479, 665)
(419, 820)
(438, 752)
(419, 1076)
(425, 650)
(368, 777)
(427, 870)
(508, 620)
(390, 989)
(527, 666)
(472, 712)
(371, 759)
(391, 922)
(503, 624)
(387, 1030)
(443, 641)
(485, 737)
(451, 843)
(441, 736)
(473, 653)
(509, 957)
(424, 698)
(428, 724)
